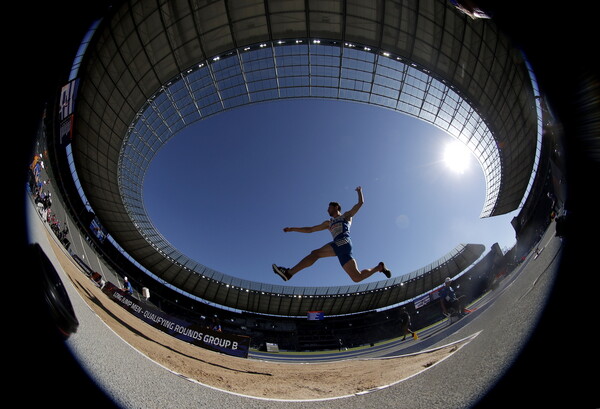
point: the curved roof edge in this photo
(142, 44)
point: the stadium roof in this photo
(154, 67)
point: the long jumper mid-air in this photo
(341, 246)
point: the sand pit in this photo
(249, 377)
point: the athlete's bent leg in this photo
(351, 268)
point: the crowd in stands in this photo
(37, 187)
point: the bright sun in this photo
(457, 157)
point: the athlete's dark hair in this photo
(336, 204)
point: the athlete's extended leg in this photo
(359, 275)
(325, 251)
(287, 273)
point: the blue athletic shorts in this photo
(343, 249)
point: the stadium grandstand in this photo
(146, 70)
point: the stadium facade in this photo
(149, 69)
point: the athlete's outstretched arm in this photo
(361, 200)
(311, 229)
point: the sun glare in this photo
(457, 157)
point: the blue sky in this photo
(223, 189)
